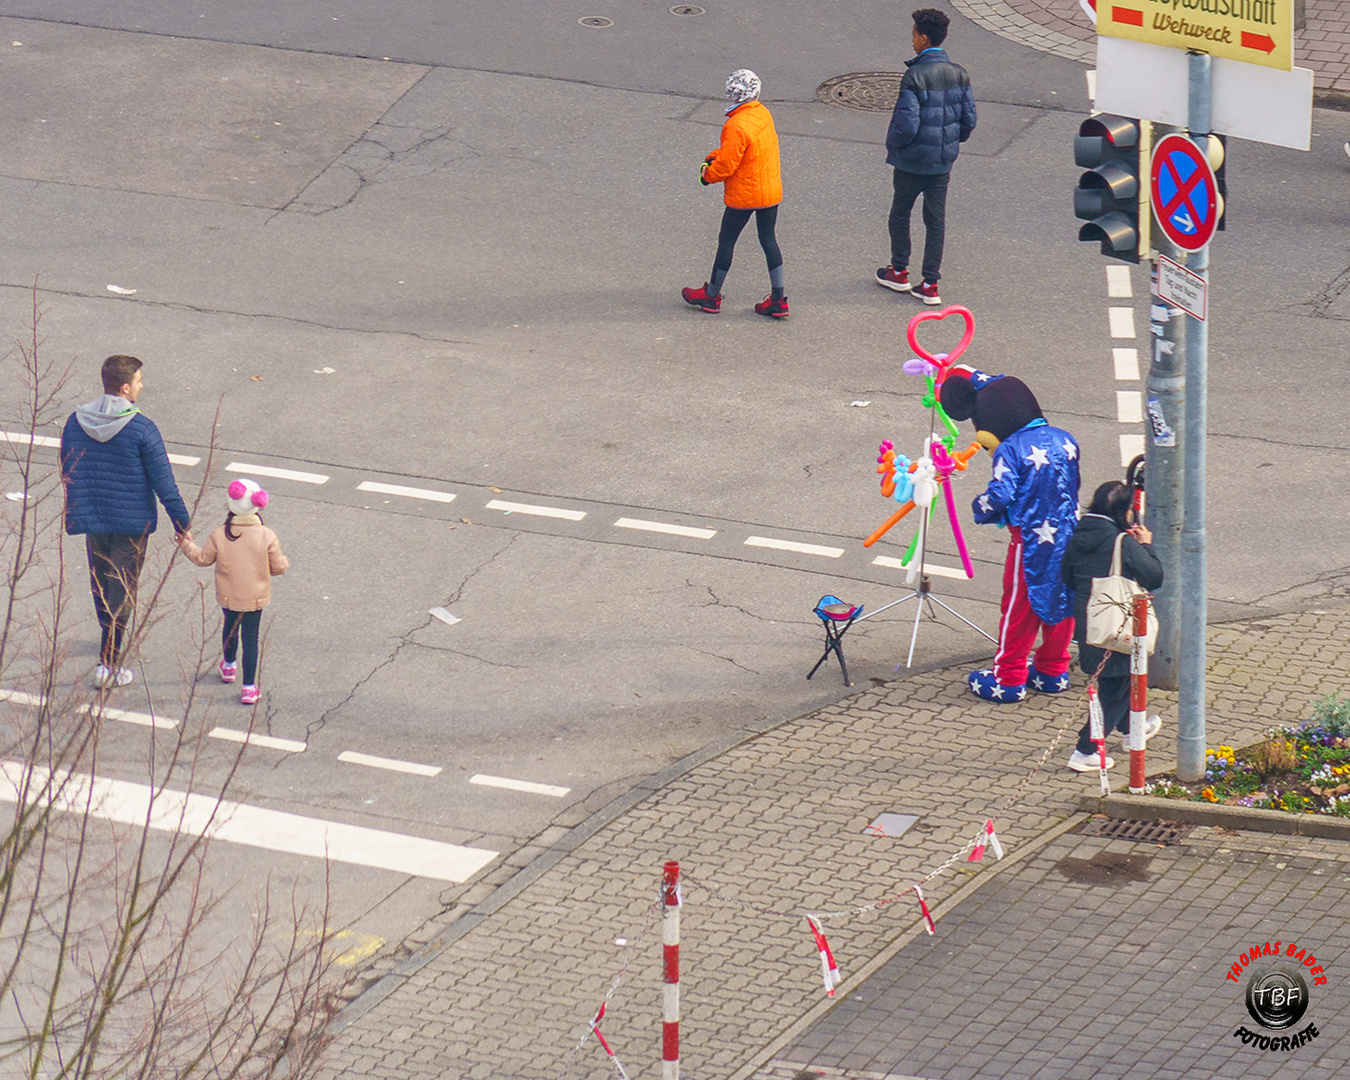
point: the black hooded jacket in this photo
(1089, 556)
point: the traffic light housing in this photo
(1111, 195)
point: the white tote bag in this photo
(1110, 610)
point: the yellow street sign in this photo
(1253, 31)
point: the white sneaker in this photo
(1151, 727)
(105, 676)
(1089, 762)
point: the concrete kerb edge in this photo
(893, 947)
(578, 835)
(1249, 819)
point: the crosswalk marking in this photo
(252, 826)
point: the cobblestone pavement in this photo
(1061, 27)
(1104, 958)
(765, 832)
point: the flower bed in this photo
(1301, 769)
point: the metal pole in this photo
(1194, 537)
(1165, 392)
(670, 1002)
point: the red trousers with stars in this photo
(1018, 625)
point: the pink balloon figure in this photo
(946, 465)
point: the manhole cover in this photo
(687, 9)
(1146, 832)
(1105, 868)
(597, 21)
(871, 91)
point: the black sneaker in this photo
(927, 292)
(889, 277)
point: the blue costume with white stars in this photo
(1035, 487)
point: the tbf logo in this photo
(1277, 997)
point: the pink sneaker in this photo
(228, 671)
(249, 695)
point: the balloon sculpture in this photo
(917, 483)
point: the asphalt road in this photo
(457, 269)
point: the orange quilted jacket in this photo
(748, 159)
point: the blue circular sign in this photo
(1184, 192)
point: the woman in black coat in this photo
(1089, 556)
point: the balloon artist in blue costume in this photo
(1034, 493)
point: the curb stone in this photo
(1151, 808)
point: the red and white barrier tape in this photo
(829, 970)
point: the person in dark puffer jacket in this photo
(934, 115)
(113, 467)
(1091, 549)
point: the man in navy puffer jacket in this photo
(113, 467)
(933, 117)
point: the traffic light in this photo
(1110, 196)
(1216, 150)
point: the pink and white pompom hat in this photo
(245, 497)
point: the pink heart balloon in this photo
(941, 360)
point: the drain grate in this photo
(871, 91)
(1146, 832)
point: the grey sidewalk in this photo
(1061, 27)
(1102, 958)
(777, 824)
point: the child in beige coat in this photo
(247, 555)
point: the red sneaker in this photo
(249, 695)
(890, 278)
(927, 292)
(775, 309)
(699, 298)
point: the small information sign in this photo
(1183, 288)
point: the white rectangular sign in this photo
(1151, 82)
(1184, 288)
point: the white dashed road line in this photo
(537, 511)
(184, 459)
(393, 765)
(253, 826)
(408, 492)
(278, 474)
(526, 786)
(254, 739)
(161, 723)
(1126, 363)
(930, 568)
(1122, 322)
(1131, 446)
(1118, 282)
(792, 545)
(20, 698)
(23, 439)
(1129, 406)
(662, 527)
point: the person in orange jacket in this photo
(747, 162)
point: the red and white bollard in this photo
(1097, 733)
(670, 1001)
(1138, 695)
